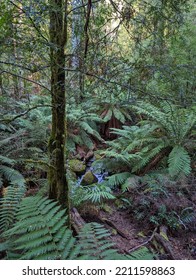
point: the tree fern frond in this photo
(99, 247)
(12, 175)
(6, 160)
(188, 124)
(179, 161)
(86, 139)
(94, 194)
(9, 205)
(41, 229)
(141, 254)
(118, 115)
(151, 111)
(108, 115)
(95, 245)
(146, 154)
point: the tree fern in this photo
(147, 143)
(174, 121)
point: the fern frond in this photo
(108, 115)
(118, 179)
(99, 248)
(179, 162)
(141, 254)
(12, 175)
(146, 154)
(118, 115)
(40, 231)
(98, 193)
(94, 194)
(9, 205)
(6, 160)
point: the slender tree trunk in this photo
(77, 38)
(2, 91)
(58, 38)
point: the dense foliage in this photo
(97, 111)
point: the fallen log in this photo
(111, 224)
(77, 221)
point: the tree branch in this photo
(23, 113)
(32, 70)
(26, 79)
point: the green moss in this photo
(88, 179)
(71, 175)
(107, 208)
(77, 166)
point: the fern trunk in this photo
(58, 187)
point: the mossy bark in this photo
(58, 187)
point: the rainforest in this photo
(97, 130)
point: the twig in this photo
(23, 113)
(26, 79)
(144, 243)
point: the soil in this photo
(128, 235)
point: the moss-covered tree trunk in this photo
(58, 38)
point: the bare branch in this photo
(24, 113)
(32, 70)
(26, 79)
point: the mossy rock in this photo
(88, 179)
(77, 166)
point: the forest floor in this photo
(128, 235)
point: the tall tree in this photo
(58, 40)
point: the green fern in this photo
(176, 123)
(98, 193)
(93, 194)
(188, 218)
(99, 247)
(9, 205)
(179, 161)
(167, 128)
(130, 183)
(13, 176)
(82, 126)
(118, 179)
(141, 254)
(40, 232)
